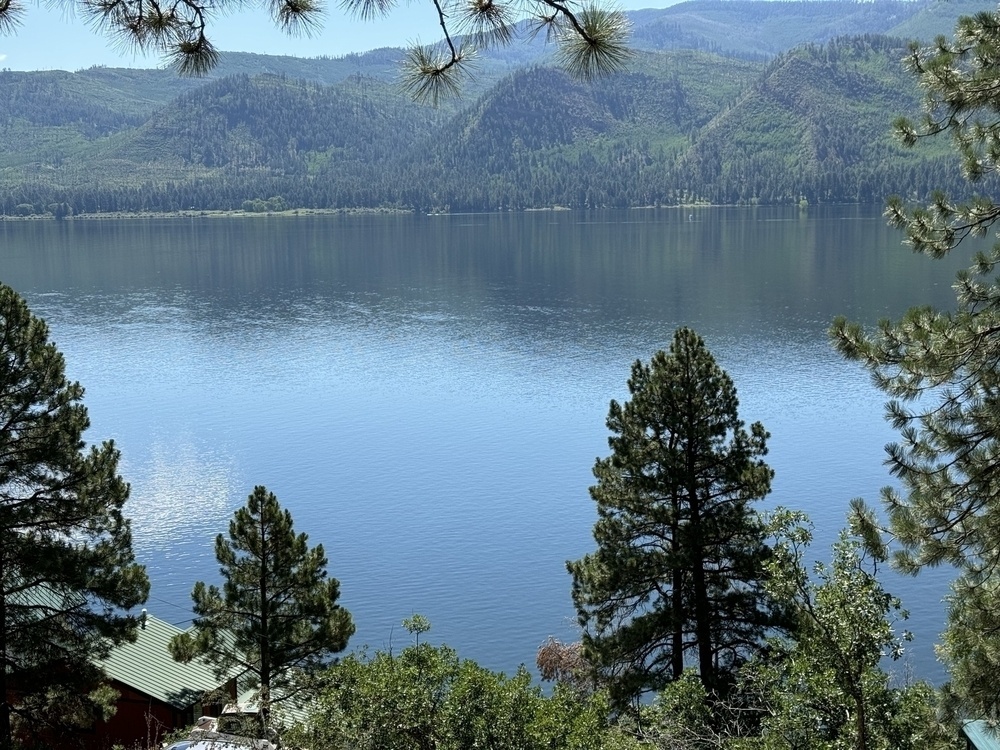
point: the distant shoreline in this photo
(195, 214)
(300, 212)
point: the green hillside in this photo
(539, 138)
(278, 124)
(823, 115)
(681, 125)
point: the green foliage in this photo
(426, 697)
(595, 45)
(940, 369)
(592, 39)
(676, 127)
(825, 689)
(416, 625)
(680, 557)
(276, 616)
(681, 717)
(970, 648)
(827, 686)
(258, 206)
(66, 564)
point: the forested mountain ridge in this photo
(816, 125)
(286, 126)
(539, 138)
(359, 143)
(680, 125)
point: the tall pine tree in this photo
(276, 617)
(67, 571)
(941, 369)
(680, 551)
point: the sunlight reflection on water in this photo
(429, 405)
(182, 490)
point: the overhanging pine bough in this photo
(941, 369)
(591, 39)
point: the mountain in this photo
(539, 138)
(682, 124)
(763, 29)
(813, 124)
(934, 19)
(822, 114)
(759, 29)
(271, 122)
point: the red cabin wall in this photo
(139, 722)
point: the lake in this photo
(427, 395)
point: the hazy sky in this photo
(51, 36)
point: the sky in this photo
(52, 37)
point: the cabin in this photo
(157, 695)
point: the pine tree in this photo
(67, 570)
(276, 618)
(678, 569)
(941, 369)
(590, 39)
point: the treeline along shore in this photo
(797, 109)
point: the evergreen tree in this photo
(67, 570)
(942, 369)
(825, 689)
(276, 617)
(680, 560)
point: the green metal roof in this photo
(982, 735)
(48, 598)
(148, 667)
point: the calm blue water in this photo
(427, 395)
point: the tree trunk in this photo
(6, 740)
(861, 724)
(264, 644)
(702, 610)
(677, 605)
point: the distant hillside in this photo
(278, 124)
(754, 29)
(759, 29)
(934, 18)
(681, 125)
(820, 115)
(539, 138)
